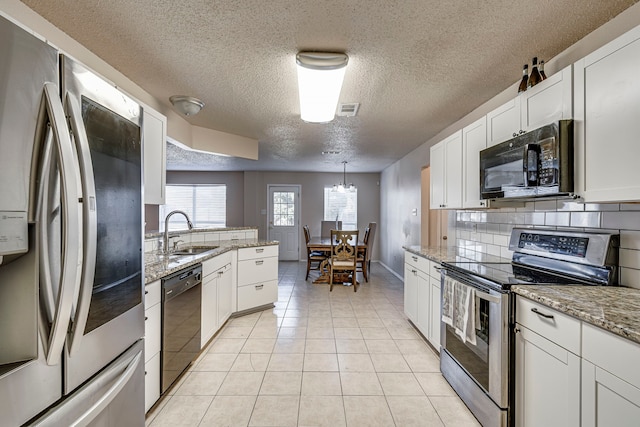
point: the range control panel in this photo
(554, 244)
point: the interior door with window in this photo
(284, 223)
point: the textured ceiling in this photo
(415, 66)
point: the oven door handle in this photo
(491, 298)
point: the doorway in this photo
(284, 219)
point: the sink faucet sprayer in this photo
(165, 241)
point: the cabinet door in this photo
(453, 171)
(547, 382)
(547, 102)
(436, 194)
(435, 312)
(608, 400)
(411, 292)
(225, 292)
(503, 122)
(154, 133)
(474, 140)
(151, 382)
(607, 102)
(209, 315)
(423, 310)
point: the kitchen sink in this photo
(194, 250)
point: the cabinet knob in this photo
(521, 132)
(514, 134)
(481, 203)
(444, 237)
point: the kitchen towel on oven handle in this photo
(458, 309)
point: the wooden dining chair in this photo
(364, 255)
(312, 256)
(343, 255)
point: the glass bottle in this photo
(525, 79)
(534, 78)
(541, 69)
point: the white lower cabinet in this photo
(225, 294)
(152, 342)
(422, 296)
(607, 398)
(257, 275)
(209, 307)
(571, 373)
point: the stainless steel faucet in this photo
(165, 241)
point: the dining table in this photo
(323, 244)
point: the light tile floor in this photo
(317, 359)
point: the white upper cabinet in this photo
(446, 173)
(154, 134)
(548, 101)
(474, 140)
(607, 107)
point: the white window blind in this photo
(341, 206)
(206, 206)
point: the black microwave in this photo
(537, 163)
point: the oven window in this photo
(473, 358)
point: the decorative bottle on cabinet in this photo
(541, 69)
(534, 78)
(525, 79)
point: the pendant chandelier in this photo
(343, 187)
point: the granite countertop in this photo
(453, 254)
(158, 265)
(614, 308)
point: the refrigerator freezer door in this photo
(115, 397)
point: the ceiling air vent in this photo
(348, 110)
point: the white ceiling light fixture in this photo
(320, 76)
(187, 105)
(343, 187)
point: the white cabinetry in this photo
(152, 338)
(547, 366)
(422, 296)
(610, 379)
(217, 288)
(446, 173)
(474, 140)
(257, 276)
(607, 101)
(154, 134)
(548, 101)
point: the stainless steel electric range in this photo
(477, 356)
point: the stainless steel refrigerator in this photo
(71, 277)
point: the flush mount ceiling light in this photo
(320, 76)
(187, 105)
(343, 187)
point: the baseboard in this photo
(390, 270)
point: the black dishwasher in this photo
(181, 302)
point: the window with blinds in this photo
(206, 206)
(341, 206)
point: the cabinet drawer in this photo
(151, 382)
(152, 331)
(257, 270)
(417, 261)
(213, 264)
(152, 294)
(612, 353)
(257, 252)
(434, 270)
(559, 328)
(258, 294)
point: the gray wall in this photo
(397, 201)
(247, 197)
(312, 199)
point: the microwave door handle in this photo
(71, 219)
(90, 224)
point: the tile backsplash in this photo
(488, 231)
(153, 241)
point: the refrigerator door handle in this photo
(71, 257)
(90, 224)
